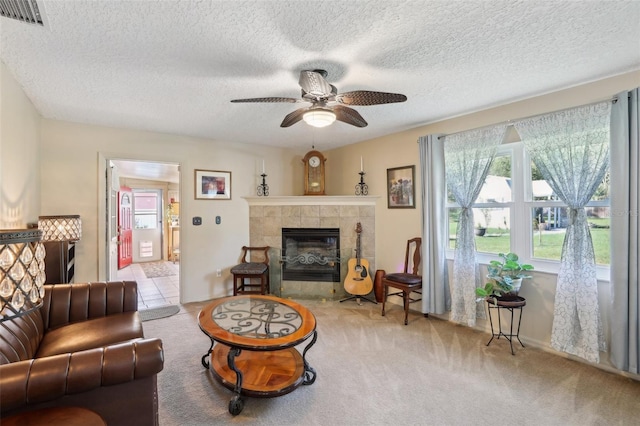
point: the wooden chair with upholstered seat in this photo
(406, 282)
(251, 276)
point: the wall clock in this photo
(314, 173)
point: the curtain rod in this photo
(511, 121)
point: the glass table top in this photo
(257, 322)
(257, 318)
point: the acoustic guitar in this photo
(358, 280)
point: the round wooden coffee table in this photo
(256, 354)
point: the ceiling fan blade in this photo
(288, 100)
(366, 97)
(313, 83)
(293, 117)
(349, 116)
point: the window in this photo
(516, 210)
(550, 218)
(145, 211)
(491, 211)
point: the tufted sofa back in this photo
(20, 337)
(81, 301)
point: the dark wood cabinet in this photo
(60, 262)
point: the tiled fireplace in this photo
(269, 215)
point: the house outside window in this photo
(517, 211)
(492, 210)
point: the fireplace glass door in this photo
(311, 254)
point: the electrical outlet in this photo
(218, 272)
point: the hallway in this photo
(154, 292)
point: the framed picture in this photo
(212, 185)
(401, 193)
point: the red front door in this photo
(125, 232)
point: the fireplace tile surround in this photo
(268, 215)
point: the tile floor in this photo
(154, 292)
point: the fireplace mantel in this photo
(315, 200)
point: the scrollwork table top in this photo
(257, 322)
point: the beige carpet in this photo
(373, 370)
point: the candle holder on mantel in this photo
(263, 188)
(361, 187)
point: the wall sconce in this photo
(59, 233)
(22, 274)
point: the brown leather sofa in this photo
(84, 347)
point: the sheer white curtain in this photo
(468, 157)
(435, 290)
(625, 232)
(571, 150)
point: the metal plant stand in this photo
(510, 305)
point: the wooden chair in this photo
(252, 276)
(407, 282)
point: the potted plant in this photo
(506, 275)
(480, 230)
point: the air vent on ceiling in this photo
(22, 10)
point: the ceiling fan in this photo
(327, 105)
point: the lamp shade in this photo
(319, 117)
(60, 228)
(22, 273)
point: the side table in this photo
(512, 304)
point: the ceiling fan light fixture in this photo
(319, 117)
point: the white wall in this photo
(73, 165)
(19, 158)
(72, 158)
(395, 226)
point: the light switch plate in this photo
(197, 221)
(218, 220)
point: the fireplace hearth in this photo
(311, 254)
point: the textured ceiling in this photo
(173, 66)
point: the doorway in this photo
(148, 221)
(154, 192)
